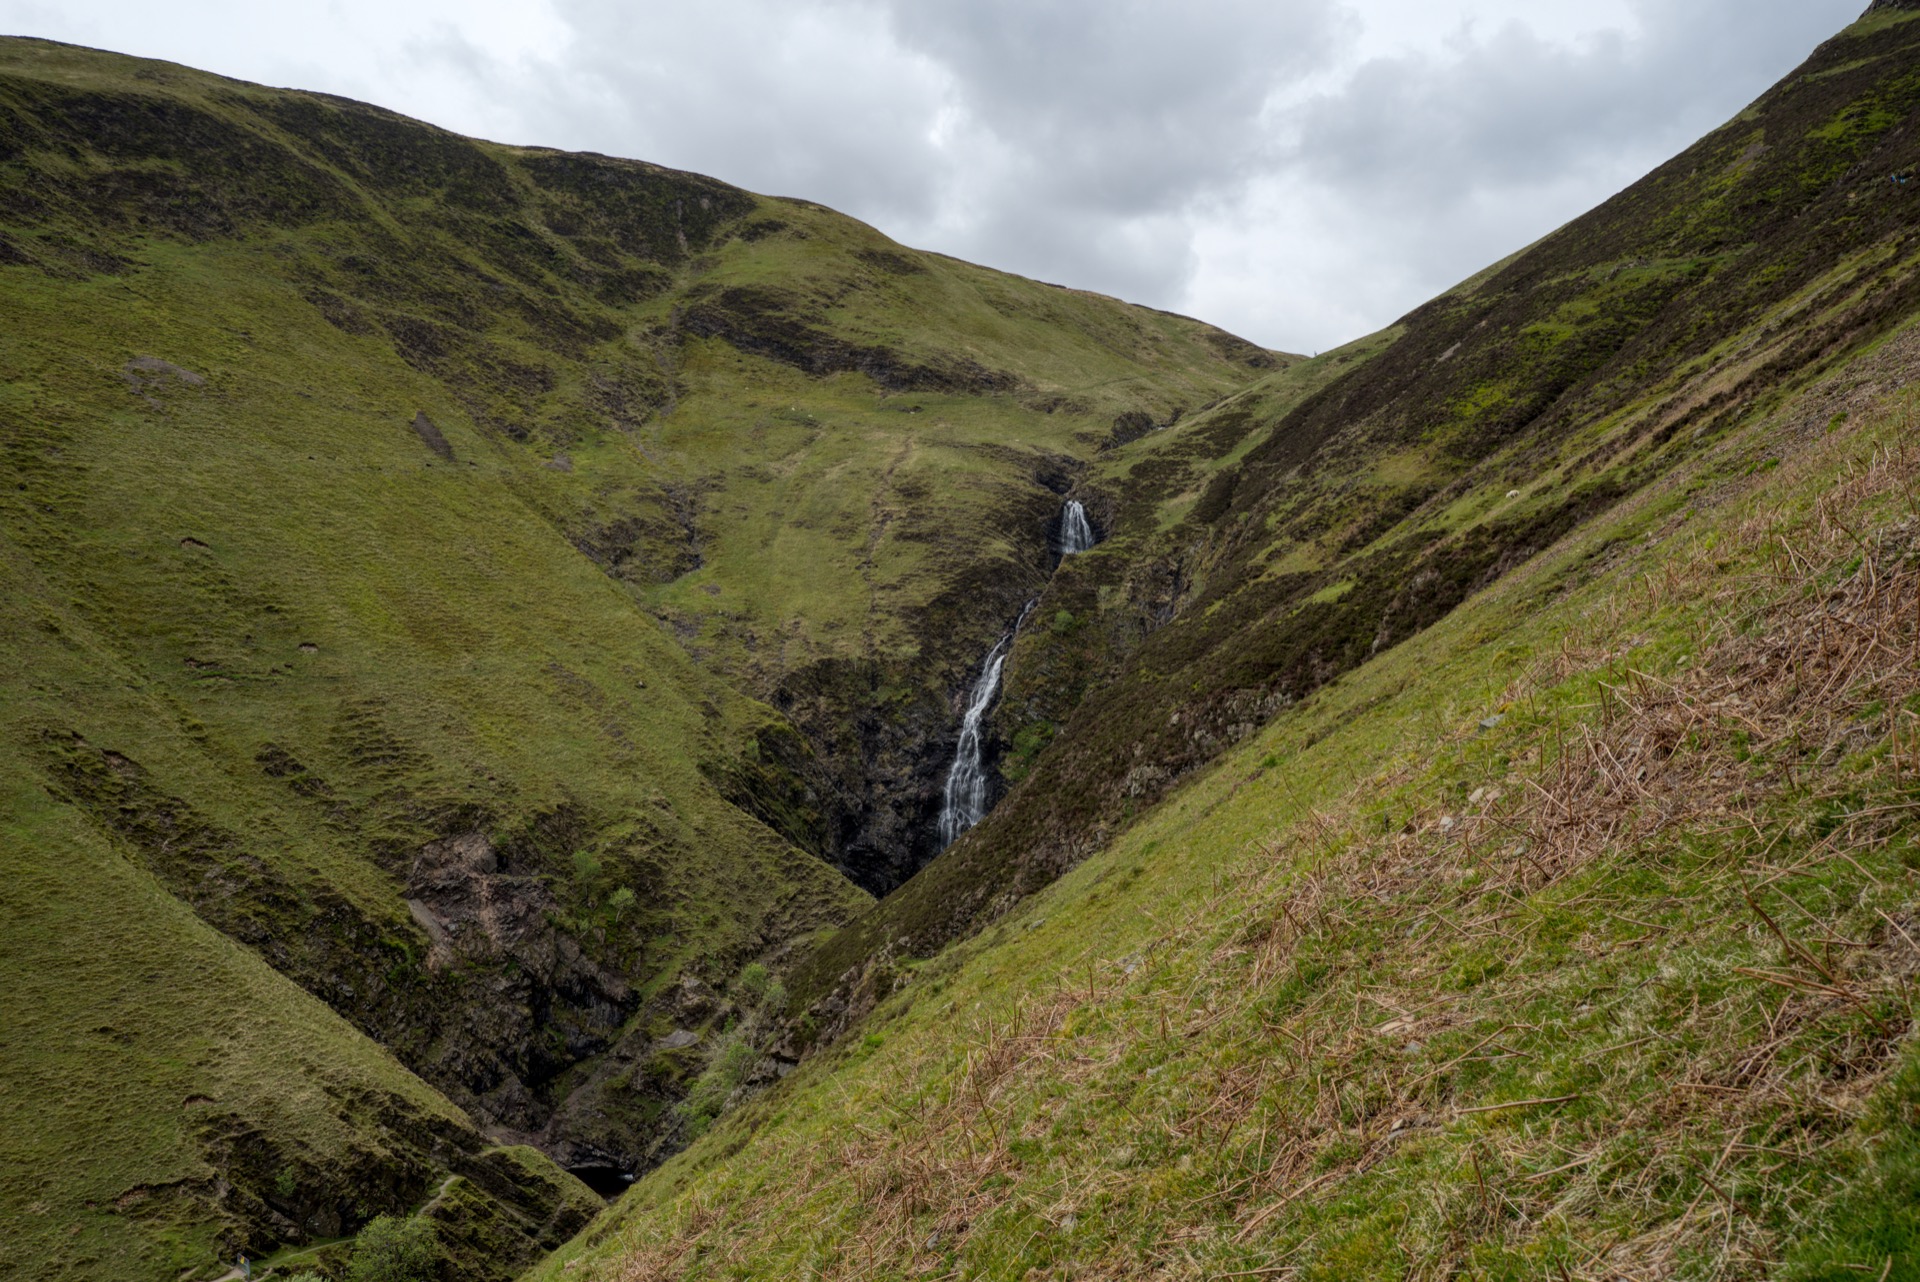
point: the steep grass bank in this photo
(172, 1101)
(259, 660)
(1570, 939)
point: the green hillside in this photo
(438, 578)
(1568, 939)
(481, 625)
(173, 1101)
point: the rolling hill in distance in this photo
(533, 677)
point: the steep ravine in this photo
(513, 998)
(877, 737)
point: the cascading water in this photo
(966, 797)
(1076, 532)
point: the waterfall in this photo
(966, 797)
(1076, 532)
(965, 801)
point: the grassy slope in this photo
(1373, 494)
(839, 511)
(263, 642)
(1290, 1023)
(175, 1099)
(103, 1053)
(455, 646)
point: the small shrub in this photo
(586, 868)
(725, 1072)
(752, 984)
(394, 1249)
(1028, 743)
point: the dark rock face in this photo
(540, 1014)
(879, 748)
(622, 1120)
(881, 736)
(1879, 5)
(772, 323)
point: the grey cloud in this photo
(1088, 135)
(1062, 138)
(1512, 110)
(812, 100)
(1124, 106)
(1420, 169)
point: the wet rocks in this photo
(880, 746)
(549, 1004)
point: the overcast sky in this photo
(1299, 171)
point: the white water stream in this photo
(966, 797)
(1076, 532)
